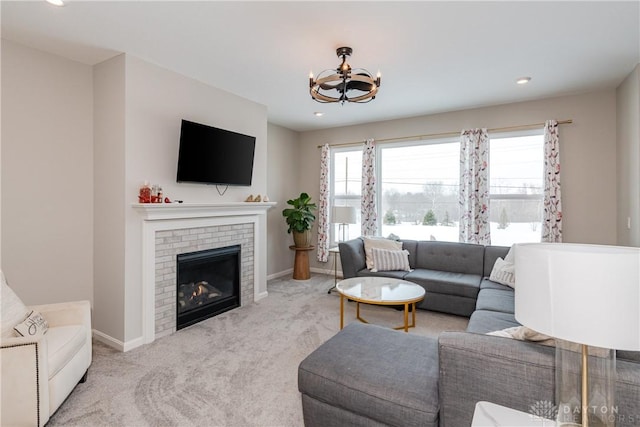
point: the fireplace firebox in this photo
(208, 284)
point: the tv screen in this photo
(214, 156)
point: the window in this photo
(346, 186)
(516, 188)
(418, 190)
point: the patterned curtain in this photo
(368, 212)
(323, 206)
(474, 187)
(552, 216)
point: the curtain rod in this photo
(449, 134)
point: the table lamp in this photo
(588, 295)
(343, 216)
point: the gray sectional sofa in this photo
(367, 375)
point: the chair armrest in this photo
(25, 381)
(66, 313)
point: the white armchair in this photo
(38, 373)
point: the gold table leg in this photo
(341, 311)
(404, 327)
(413, 309)
(406, 317)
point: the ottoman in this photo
(367, 375)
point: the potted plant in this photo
(300, 218)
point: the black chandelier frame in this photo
(346, 79)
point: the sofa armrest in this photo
(475, 367)
(25, 381)
(352, 257)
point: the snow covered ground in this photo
(516, 232)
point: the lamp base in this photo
(585, 385)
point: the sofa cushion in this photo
(450, 256)
(390, 260)
(384, 375)
(491, 254)
(445, 282)
(496, 300)
(487, 283)
(12, 310)
(504, 272)
(410, 245)
(394, 274)
(380, 243)
(63, 343)
(483, 321)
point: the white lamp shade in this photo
(344, 215)
(587, 294)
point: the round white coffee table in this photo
(380, 291)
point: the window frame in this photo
(333, 238)
(397, 144)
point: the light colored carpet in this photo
(236, 369)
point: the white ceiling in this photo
(433, 56)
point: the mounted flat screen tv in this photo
(210, 155)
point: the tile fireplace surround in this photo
(170, 229)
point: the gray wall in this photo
(588, 153)
(77, 143)
(140, 134)
(47, 175)
(282, 173)
(628, 159)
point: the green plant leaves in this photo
(300, 218)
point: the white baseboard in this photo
(115, 343)
(328, 272)
(321, 271)
(280, 274)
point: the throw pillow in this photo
(380, 243)
(34, 324)
(511, 255)
(523, 333)
(390, 260)
(12, 310)
(504, 272)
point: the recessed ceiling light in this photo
(523, 80)
(318, 114)
(55, 2)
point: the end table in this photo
(301, 263)
(335, 251)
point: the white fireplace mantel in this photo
(159, 211)
(172, 216)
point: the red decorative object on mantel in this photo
(150, 194)
(145, 193)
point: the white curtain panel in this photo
(368, 212)
(552, 204)
(474, 187)
(323, 205)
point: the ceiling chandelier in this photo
(344, 84)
